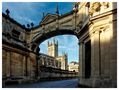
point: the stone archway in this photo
(53, 25)
(91, 32)
(38, 41)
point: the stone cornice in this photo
(103, 14)
(19, 50)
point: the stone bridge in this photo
(93, 23)
(52, 25)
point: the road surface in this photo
(72, 83)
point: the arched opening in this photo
(59, 54)
(85, 49)
(37, 39)
(66, 43)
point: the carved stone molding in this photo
(99, 30)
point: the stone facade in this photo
(63, 59)
(99, 41)
(73, 66)
(93, 23)
(18, 63)
(49, 61)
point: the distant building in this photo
(53, 51)
(49, 61)
(63, 60)
(73, 66)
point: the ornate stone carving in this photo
(95, 8)
(48, 18)
(105, 4)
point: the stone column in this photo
(37, 66)
(107, 54)
(24, 66)
(39, 63)
(28, 66)
(102, 52)
(96, 62)
(8, 64)
(32, 63)
(81, 60)
(92, 55)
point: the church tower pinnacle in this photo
(57, 9)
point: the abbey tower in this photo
(53, 51)
(53, 48)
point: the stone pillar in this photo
(28, 67)
(24, 66)
(39, 63)
(92, 55)
(81, 60)
(32, 63)
(4, 60)
(113, 52)
(37, 66)
(102, 52)
(96, 64)
(8, 64)
(107, 54)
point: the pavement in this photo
(70, 83)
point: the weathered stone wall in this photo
(49, 73)
(13, 63)
(17, 65)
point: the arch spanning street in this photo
(53, 25)
(93, 23)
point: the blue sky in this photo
(33, 11)
(27, 12)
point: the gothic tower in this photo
(65, 58)
(53, 48)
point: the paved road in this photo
(72, 83)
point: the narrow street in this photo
(72, 83)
